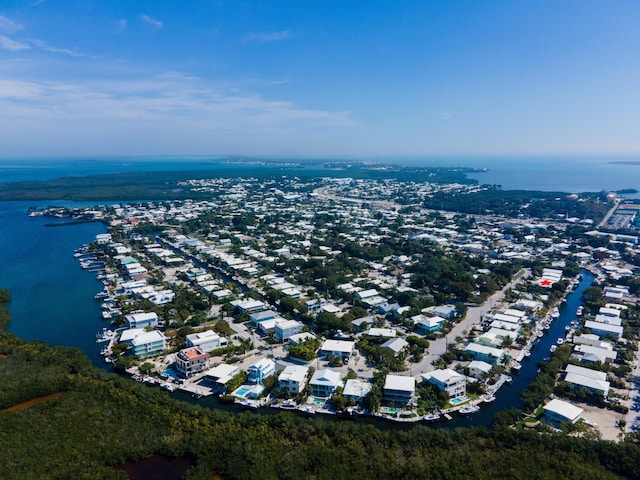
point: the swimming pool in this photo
(457, 401)
(242, 391)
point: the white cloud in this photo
(48, 48)
(151, 21)
(12, 45)
(265, 37)
(122, 24)
(8, 25)
(182, 113)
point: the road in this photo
(473, 317)
(609, 213)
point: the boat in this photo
(469, 410)
(555, 313)
(169, 387)
(580, 310)
(508, 379)
(553, 348)
(105, 335)
(101, 295)
(560, 341)
(432, 417)
(540, 334)
(516, 366)
(489, 398)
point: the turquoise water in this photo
(457, 401)
(241, 392)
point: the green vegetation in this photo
(512, 203)
(98, 420)
(306, 350)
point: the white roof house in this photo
(604, 329)
(585, 377)
(142, 319)
(398, 388)
(221, 374)
(478, 369)
(338, 348)
(558, 411)
(293, 378)
(356, 389)
(396, 345)
(324, 382)
(207, 340)
(448, 381)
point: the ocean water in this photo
(52, 297)
(570, 174)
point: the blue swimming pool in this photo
(242, 391)
(457, 401)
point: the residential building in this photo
(399, 389)
(219, 376)
(142, 320)
(395, 345)
(261, 370)
(207, 340)
(447, 380)
(293, 378)
(557, 412)
(337, 348)
(284, 330)
(191, 361)
(356, 390)
(324, 382)
(143, 343)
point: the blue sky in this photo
(319, 78)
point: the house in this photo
(364, 323)
(445, 311)
(479, 369)
(395, 345)
(324, 382)
(592, 354)
(293, 378)
(486, 354)
(286, 329)
(592, 380)
(337, 348)
(248, 306)
(356, 390)
(258, 317)
(191, 361)
(381, 332)
(558, 411)
(447, 380)
(399, 389)
(300, 338)
(388, 308)
(261, 370)
(142, 320)
(604, 329)
(143, 343)
(206, 341)
(219, 376)
(425, 325)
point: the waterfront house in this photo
(324, 382)
(219, 376)
(207, 340)
(479, 369)
(142, 320)
(356, 390)
(557, 412)
(447, 380)
(143, 343)
(486, 354)
(604, 329)
(191, 361)
(293, 378)
(258, 317)
(399, 389)
(260, 370)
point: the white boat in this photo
(168, 386)
(489, 398)
(555, 313)
(469, 410)
(580, 310)
(105, 335)
(432, 417)
(516, 366)
(553, 348)
(560, 341)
